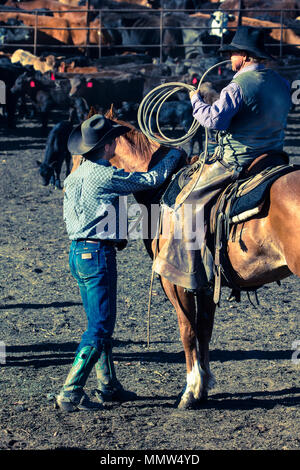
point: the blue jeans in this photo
(93, 265)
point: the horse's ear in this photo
(92, 111)
(110, 114)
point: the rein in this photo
(159, 224)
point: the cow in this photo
(274, 34)
(146, 30)
(176, 4)
(57, 31)
(79, 110)
(76, 20)
(72, 3)
(26, 58)
(13, 31)
(70, 62)
(117, 4)
(80, 37)
(273, 31)
(178, 115)
(128, 112)
(38, 92)
(207, 90)
(58, 27)
(140, 32)
(51, 7)
(44, 94)
(63, 68)
(9, 73)
(264, 9)
(217, 32)
(56, 153)
(191, 31)
(108, 87)
(218, 23)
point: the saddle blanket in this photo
(254, 198)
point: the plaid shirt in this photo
(92, 202)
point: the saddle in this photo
(238, 202)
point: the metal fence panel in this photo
(240, 13)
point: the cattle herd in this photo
(75, 54)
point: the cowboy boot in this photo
(72, 396)
(109, 388)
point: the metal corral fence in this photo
(100, 47)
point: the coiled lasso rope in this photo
(151, 103)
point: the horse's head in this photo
(134, 151)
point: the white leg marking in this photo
(194, 380)
(198, 381)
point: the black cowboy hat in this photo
(248, 39)
(94, 133)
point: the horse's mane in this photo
(139, 143)
(134, 151)
(138, 153)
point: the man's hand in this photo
(192, 93)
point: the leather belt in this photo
(120, 245)
(91, 240)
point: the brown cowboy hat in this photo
(94, 133)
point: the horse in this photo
(264, 249)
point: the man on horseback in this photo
(92, 212)
(250, 117)
(252, 110)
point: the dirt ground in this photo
(254, 405)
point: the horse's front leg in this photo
(198, 377)
(204, 326)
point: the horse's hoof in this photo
(187, 401)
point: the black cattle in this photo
(204, 35)
(56, 153)
(13, 31)
(175, 115)
(37, 90)
(107, 88)
(146, 30)
(176, 4)
(113, 5)
(192, 29)
(218, 32)
(8, 75)
(79, 110)
(78, 61)
(140, 32)
(128, 112)
(45, 94)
